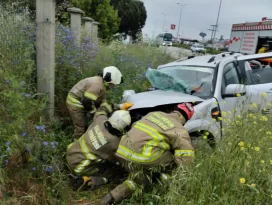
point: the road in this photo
(176, 52)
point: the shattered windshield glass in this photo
(193, 80)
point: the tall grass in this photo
(33, 169)
(237, 171)
(32, 158)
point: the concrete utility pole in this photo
(45, 48)
(213, 30)
(181, 6)
(154, 31)
(76, 14)
(217, 22)
(88, 26)
(164, 21)
(95, 31)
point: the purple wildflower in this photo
(27, 95)
(34, 169)
(7, 143)
(8, 149)
(45, 143)
(42, 128)
(53, 145)
(49, 169)
(24, 134)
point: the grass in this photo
(181, 45)
(33, 169)
(32, 149)
(237, 172)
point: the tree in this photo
(30, 5)
(132, 14)
(102, 12)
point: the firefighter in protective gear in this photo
(158, 141)
(264, 48)
(88, 157)
(88, 94)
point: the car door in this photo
(229, 73)
(261, 87)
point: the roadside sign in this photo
(173, 26)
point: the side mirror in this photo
(234, 90)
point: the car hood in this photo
(159, 97)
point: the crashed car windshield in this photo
(193, 80)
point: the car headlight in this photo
(127, 93)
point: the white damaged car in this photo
(214, 84)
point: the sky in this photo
(198, 16)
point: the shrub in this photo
(75, 63)
(33, 169)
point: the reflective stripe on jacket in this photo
(96, 144)
(92, 88)
(155, 134)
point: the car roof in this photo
(206, 60)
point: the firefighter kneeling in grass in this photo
(157, 141)
(91, 158)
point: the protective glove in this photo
(125, 106)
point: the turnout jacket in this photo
(94, 145)
(155, 136)
(92, 89)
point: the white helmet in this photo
(120, 120)
(113, 75)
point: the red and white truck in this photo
(248, 38)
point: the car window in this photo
(193, 80)
(230, 76)
(264, 75)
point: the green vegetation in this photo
(125, 17)
(237, 172)
(33, 169)
(32, 149)
(132, 14)
(181, 45)
(104, 13)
